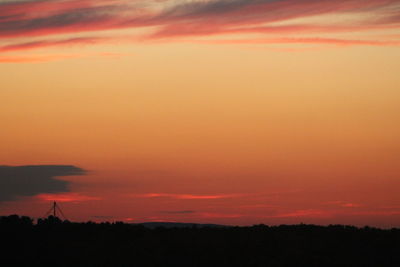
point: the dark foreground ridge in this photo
(52, 242)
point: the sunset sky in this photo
(233, 112)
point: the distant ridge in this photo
(153, 225)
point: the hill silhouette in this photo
(52, 242)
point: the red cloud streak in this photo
(67, 197)
(185, 196)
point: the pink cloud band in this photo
(48, 19)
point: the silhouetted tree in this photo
(52, 242)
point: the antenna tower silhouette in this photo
(54, 210)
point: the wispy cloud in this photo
(378, 213)
(267, 21)
(185, 196)
(311, 213)
(34, 58)
(51, 43)
(220, 215)
(66, 197)
(344, 204)
(50, 57)
(178, 211)
(56, 17)
(243, 16)
(325, 41)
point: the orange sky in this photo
(233, 112)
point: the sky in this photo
(234, 112)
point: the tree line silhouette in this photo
(52, 242)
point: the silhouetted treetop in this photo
(52, 242)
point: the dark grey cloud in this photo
(211, 7)
(222, 16)
(77, 17)
(31, 180)
(8, 2)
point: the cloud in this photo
(77, 20)
(66, 197)
(51, 57)
(50, 43)
(59, 17)
(351, 205)
(27, 59)
(196, 17)
(326, 41)
(344, 204)
(16, 181)
(285, 20)
(377, 213)
(220, 215)
(178, 211)
(185, 196)
(241, 16)
(312, 213)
